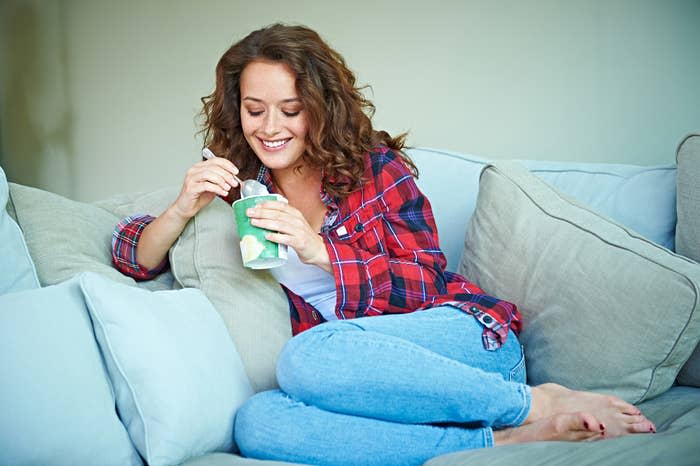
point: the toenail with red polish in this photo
(585, 424)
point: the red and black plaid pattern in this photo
(383, 246)
(124, 240)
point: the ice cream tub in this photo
(257, 252)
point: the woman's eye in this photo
(254, 114)
(292, 114)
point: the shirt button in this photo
(487, 319)
(359, 227)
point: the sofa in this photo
(602, 260)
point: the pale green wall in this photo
(100, 97)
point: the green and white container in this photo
(256, 251)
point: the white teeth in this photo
(275, 144)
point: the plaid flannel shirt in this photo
(383, 246)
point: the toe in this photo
(644, 427)
(625, 407)
(589, 423)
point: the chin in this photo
(279, 160)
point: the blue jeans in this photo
(393, 389)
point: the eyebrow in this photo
(284, 101)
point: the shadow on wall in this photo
(36, 143)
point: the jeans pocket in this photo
(518, 372)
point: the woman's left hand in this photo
(291, 229)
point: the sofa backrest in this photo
(642, 198)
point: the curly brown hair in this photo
(339, 116)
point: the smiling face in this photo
(272, 115)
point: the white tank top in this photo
(311, 282)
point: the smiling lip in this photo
(272, 146)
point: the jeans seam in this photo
(527, 404)
(488, 437)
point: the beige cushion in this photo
(604, 309)
(688, 226)
(66, 237)
(688, 197)
(252, 304)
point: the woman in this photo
(400, 387)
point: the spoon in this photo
(248, 187)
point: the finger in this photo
(280, 221)
(272, 225)
(208, 166)
(226, 164)
(277, 211)
(209, 187)
(279, 238)
(264, 213)
(214, 175)
(277, 205)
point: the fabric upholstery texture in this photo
(222, 459)
(176, 374)
(640, 197)
(688, 197)
(56, 401)
(17, 272)
(66, 237)
(604, 309)
(688, 228)
(676, 414)
(251, 302)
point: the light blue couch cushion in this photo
(642, 198)
(17, 271)
(56, 403)
(638, 197)
(451, 183)
(176, 373)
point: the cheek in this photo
(301, 128)
(247, 125)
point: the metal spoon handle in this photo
(208, 154)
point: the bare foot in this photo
(565, 426)
(616, 416)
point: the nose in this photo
(271, 123)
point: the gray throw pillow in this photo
(17, 272)
(252, 304)
(688, 226)
(66, 237)
(604, 309)
(688, 197)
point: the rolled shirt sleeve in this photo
(124, 242)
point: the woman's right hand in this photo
(203, 182)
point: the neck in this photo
(293, 181)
